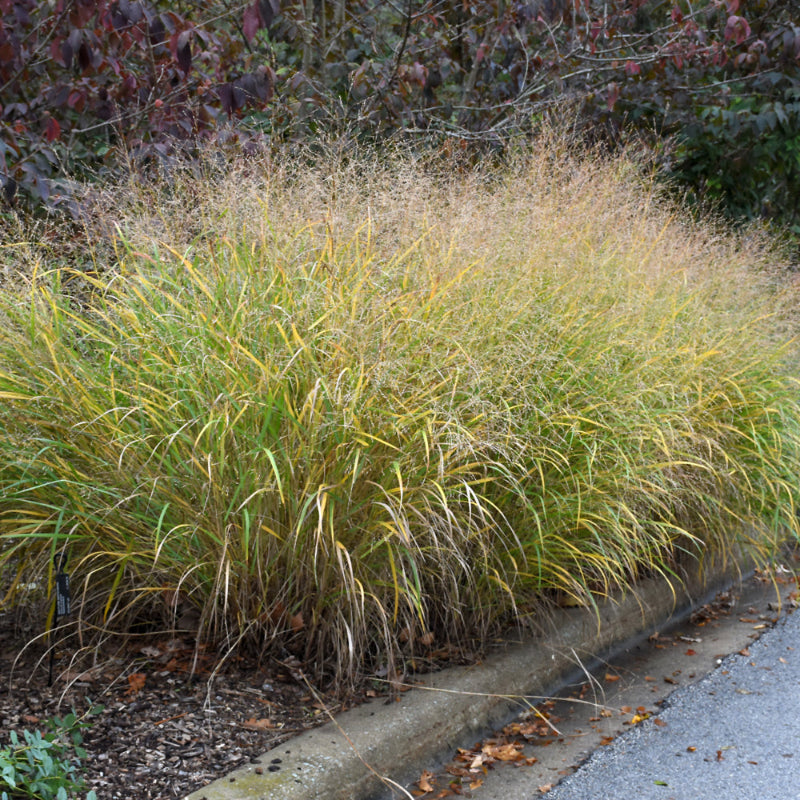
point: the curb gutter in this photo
(455, 707)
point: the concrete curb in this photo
(370, 750)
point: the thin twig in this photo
(382, 778)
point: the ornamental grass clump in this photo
(353, 409)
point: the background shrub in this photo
(84, 81)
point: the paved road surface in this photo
(740, 713)
(735, 734)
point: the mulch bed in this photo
(173, 718)
(163, 731)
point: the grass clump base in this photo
(356, 409)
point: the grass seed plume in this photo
(353, 409)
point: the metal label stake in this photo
(63, 603)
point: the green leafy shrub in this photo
(743, 156)
(45, 766)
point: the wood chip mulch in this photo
(163, 731)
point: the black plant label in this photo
(62, 594)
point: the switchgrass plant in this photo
(355, 408)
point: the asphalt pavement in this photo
(733, 734)
(628, 688)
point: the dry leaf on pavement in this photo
(424, 781)
(503, 752)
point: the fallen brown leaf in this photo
(477, 762)
(424, 781)
(136, 682)
(611, 678)
(515, 728)
(503, 752)
(276, 614)
(262, 724)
